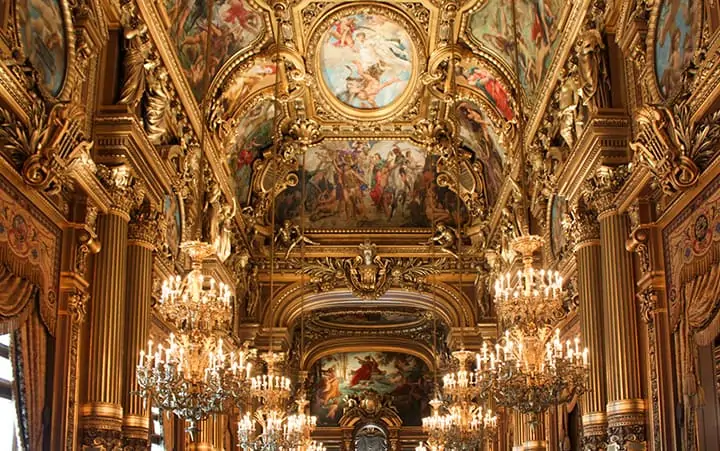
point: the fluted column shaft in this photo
(625, 404)
(534, 433)
(209, 435)
(102, 412)
(136, 421)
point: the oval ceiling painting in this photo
(369, 317)
(44, 41)
(674, 42)
(366, 60)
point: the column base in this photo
(626, 425)
(136, 432)
(200, 447)
(594, 431)
(101, 426)
(535, 445)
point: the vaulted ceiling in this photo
(367, 74)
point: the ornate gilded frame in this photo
(323, 96)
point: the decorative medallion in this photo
(366, 60)
(44, 40)
(676, 33)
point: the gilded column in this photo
(101, 415)
(518, 431)
(585, 232)
(205, 437)
(625, 406)
(143, 234)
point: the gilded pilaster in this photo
(585, 233)
(101, 415)
(626, 406)
(143, 236)
(210, 434)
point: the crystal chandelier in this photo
(529, 369)
(463, 423)
(196, 302)
(270, 428)
(191, 374)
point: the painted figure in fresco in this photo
(368, 368)
(485, 148)
(495, 91)
(342, 30)
(367, 85)
(243, 85)
(501, 37)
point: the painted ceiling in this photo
(366, 73)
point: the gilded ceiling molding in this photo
(291, 301)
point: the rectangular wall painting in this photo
(404, 379)
(378, 184)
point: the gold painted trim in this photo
(101, 409)
(624, 406)
(136, 421)
(594, 418)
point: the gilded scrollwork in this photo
(369, 275)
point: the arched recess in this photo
(380, 343)
(453, 307)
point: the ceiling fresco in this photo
(370, 317)
(472, 73)
(361, 184)
(251, 136)
(675, 41)
(538, 26)
(366, 59)
(236, 24)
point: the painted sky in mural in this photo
(234, 26)
(674, 43)
(353, 184)
(478, 134)
(44, 42)
(366, 60)
(253, 135)
(404, 378)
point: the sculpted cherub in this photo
(445, 238)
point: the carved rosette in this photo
(600, 190)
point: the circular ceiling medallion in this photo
(367, 60)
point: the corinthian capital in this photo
(124, 189)
(600, 190)
(145, 225)
(581, 225)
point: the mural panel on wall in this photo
(235, 25)
(355, 184)
(251, 137)
(674, 41)
(558, 240)
(44, 42)
(479, 136)
(366, 60)
(404, 379)
(173, 222)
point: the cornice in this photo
(604, 139)
(118, 131)
(14, 94)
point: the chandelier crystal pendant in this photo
(529, 368)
